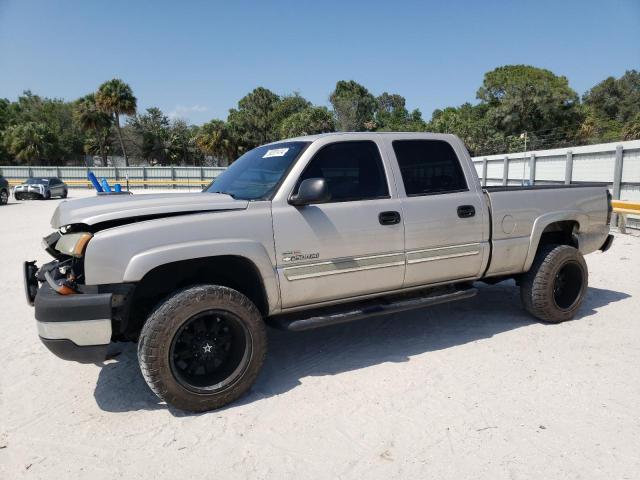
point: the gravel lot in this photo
(473, 389)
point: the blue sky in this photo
(196, 59)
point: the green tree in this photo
(611, 108)
(56, 115)
(217, 139)
(470, 123)
(4, 122)
(116, 98)
(522, 98)
(94, 122)
(631, 129)
(287, 105)
(183, 149)
(392, 115)
(255, 117)
(150, 132)
(353, 106)
(30, 142)
(615, 99)
(309, 121)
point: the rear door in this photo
(444, 213)
(352, 245)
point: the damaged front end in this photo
(65, 274)
(74, 321)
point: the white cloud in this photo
(182, 111)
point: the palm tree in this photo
(29, 141)
(90, 118)
(215, 138)
(116, 98)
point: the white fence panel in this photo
(550, 167)
(594, 167)
(631, 166)
(518, 169)
(494, 168)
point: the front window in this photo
(352, 170)
(36, 181)
(257, 173)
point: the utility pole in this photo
(524, 158)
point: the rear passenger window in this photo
(352, 170)
(428, 167)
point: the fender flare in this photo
(543, 221)
(142, 263)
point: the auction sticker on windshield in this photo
(276, 152)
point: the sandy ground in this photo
(473, 389)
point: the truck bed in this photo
(520, 215)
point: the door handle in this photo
(389, 218)
(466, 211)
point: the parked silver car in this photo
(42, 188)
(300, 234)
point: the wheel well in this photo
(229, 271)
(559, 233)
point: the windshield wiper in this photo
(225, 193)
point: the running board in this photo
(323, 317)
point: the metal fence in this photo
(145, 177)
(615, 164)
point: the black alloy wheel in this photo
(567, 285)
(202, 347)
(210, 351)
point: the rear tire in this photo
(65, 193)
(555, 286)
(202, 348)
(4, 197)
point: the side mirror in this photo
(311, 190)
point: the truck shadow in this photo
(341, 348)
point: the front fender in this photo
(145, 261)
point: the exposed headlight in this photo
(73, 244)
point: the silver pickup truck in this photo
(299, 234)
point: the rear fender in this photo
(544, 221)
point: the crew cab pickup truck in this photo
(299, 234)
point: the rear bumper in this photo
(74, 327)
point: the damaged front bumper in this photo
(75, 327)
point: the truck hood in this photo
(122, 209)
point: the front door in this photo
(343, 248)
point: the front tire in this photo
(4, 197)
(555, 286)
(202, 348)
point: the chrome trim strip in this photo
(345, 265)
(462, 245)
(357, 264)
(443, 253)
(442, 257)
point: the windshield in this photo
(257, 173)
(34, 181)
